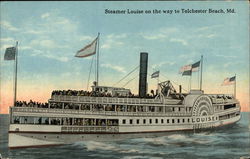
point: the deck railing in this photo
(115, 100)
(45, 111)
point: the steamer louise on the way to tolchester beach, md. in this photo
(113, 113)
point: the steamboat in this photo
(113, 113)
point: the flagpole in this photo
(15, 85)
(201, 72)
(235, 87)
(97, 62)
(158, 82)
(190, 81)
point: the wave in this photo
(94, 145)
(156, 141)
(133, 157)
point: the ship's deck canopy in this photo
(113, 91)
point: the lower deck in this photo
(33, 135)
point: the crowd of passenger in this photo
(31, 104)
(86, 107)
(81, 93)
(96, 94)
(222, 97)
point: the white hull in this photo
(43, 135)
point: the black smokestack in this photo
(143, 74)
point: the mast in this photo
(235, 87)
(97, 61)
(201, 72)
(190, 82)
(15, 85)
(158, 79)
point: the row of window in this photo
(112, 122)
(64, 121)
(156, 121)
(224, 107)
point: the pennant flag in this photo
(87, 50)
(229, 81)
(10, 53)
(155, 74)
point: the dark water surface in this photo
(228, 142)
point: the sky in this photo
(50, 34)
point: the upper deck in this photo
(216, 99)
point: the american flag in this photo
(10, 53)
(188, 69)
(229, 81)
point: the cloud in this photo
(211, 36)
(49, 55)
(182, 41)
(30, 31)
(21, 47)
(114, 67)
(154, 37)
(227, 64)
(206, 28)
(157, 66)
(45, 15)
(169, 30)
(225, 56)
(83, 38)
(118, 36)
(7, 40)
(161, 33)
(51, 36)
(3, 47)
(7, 25)
(46, 43)
(188, 55)
(113, 41)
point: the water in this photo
(230, 142)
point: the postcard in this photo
(124, 79)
